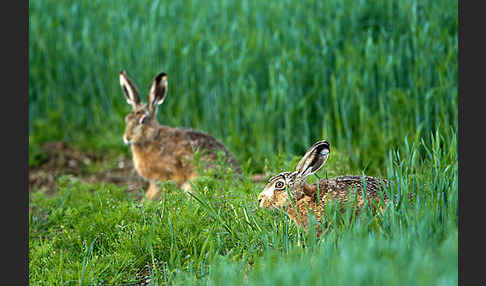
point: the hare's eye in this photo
(144, 120)
(279, 184)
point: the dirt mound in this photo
(62, 159)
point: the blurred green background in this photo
(264, 77)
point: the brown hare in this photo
(305, 196)
(162, 153)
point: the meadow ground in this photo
(377, 79)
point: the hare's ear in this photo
(158, 91)
(130, 90)
(313, 160)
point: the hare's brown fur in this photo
(346, 190)
(305, 198)
(162, 153)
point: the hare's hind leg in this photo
(153, 190)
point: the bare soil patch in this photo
(63, 159)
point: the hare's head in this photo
(141, 121)
(275, 194)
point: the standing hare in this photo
(162, 153)
(313, 198)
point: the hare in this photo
(305, 196)
(159, 152)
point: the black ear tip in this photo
(161, 76)
(323, 143)
(326, 144)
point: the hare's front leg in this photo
(186, 187)
(153, 190)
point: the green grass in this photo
(377, 79)
(99, 234)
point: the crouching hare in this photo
(162, 153)
(313, 198)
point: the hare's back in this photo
(210, 145)
(347, 187)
